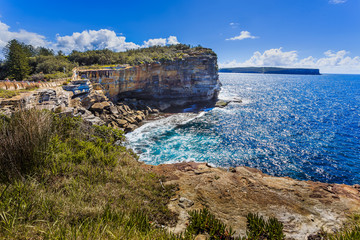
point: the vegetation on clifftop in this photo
(137, 56)
(28, 62)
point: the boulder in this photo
(130, 127)
(130, 120)
(87, 102)
(114, 110)
(221, 103)
(99, 106)
(139, 117)
(121, 122)
(185, 203)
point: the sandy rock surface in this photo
(304, 207)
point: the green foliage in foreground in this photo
(63, 179)
(350, 231)
(258, 228)
(202, 221)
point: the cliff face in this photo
(192, 78)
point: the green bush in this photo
(350, 230)
(258, 228)
(202, 221)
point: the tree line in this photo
(26, 62)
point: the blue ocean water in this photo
(304, 127)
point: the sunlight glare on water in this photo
(305, 127)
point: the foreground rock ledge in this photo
(303, 206)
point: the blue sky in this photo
(307, 33)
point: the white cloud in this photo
(331, 62)
(81, 41)
(160, 41)
(243, 35)
(24, 36)
(337, 1)
(273, 57)
(172, 40)
(93, 39)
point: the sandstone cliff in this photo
(191, 78)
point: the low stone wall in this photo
(19, 85)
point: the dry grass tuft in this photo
(68, 180)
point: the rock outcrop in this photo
(190, 79)
(53, 99)
(304, 207)
(78, 98)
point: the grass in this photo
(350, 230)
(77, 183)
(7, 93)
(12, 93)
(202, 221)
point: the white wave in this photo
(190, 160)
(160, 126)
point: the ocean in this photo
(303, 127)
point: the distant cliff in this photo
(271, 70)
(189, 78)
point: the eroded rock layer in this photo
(192, 78)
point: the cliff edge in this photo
(191, 77)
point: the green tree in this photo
(42, 51)
(16, 60)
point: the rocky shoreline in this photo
(304, 207)
(94, 107)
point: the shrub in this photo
(56, 75)
(350, 230)
(37, 77)
(258, 228)
(202, 221)
(24, 140)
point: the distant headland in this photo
(271, 70)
